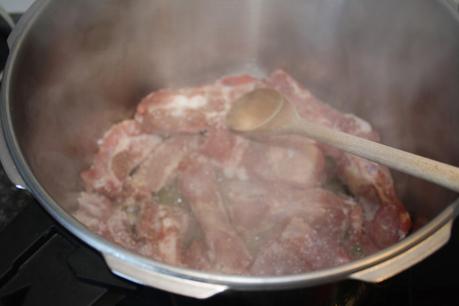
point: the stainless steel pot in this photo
(76, 67)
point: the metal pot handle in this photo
(162, 281)
(414, 255)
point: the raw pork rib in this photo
(175, 185)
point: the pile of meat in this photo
(174, 184)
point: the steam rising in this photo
(391, 62)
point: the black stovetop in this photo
(43, 264)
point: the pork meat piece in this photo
(219, 146)
(160, 167)
(300, 248)
(122, 222)
(259, 210)
(164, 230)
(369, 181)
(93, 211)
(388, 220)
(312, 109)
(196, 256)
(333, 215)
(226, 250)
(167, 112)
(300, 168)
(248, 204)
(121, 150)
(191, 110)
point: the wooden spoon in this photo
(266, 111)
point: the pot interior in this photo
(84, 65)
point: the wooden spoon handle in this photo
(428, 169)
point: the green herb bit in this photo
(169, 195)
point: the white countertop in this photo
(15, 6)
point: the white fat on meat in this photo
(179, 104)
